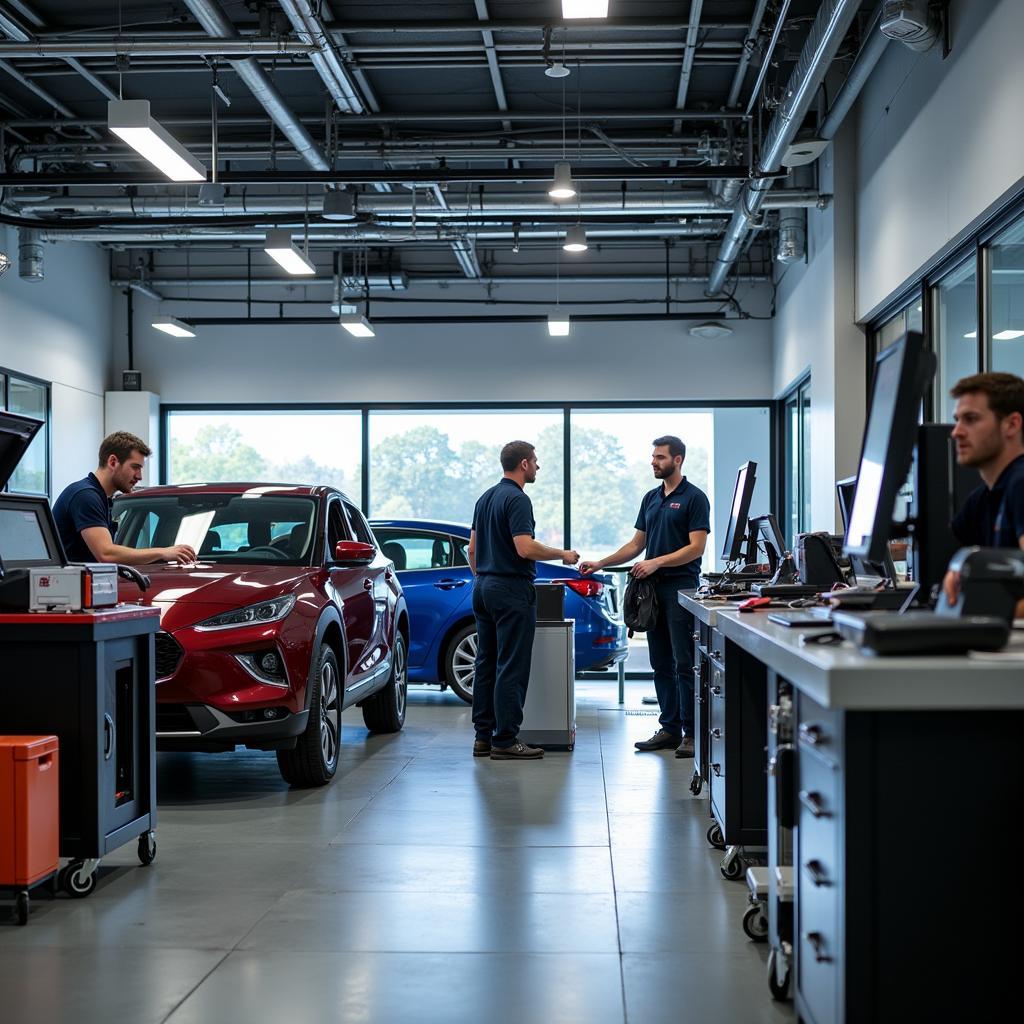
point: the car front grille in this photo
(168, 655)
(174, 718)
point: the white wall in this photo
(939, 143)
(59, 330)
(655, 361)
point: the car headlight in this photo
(251, 615)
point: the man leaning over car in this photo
(83, 512)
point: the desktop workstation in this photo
(890, 773)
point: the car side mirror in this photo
(354, 552)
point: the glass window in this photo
(796, 447)
(412, 549)
(337, 527)
(263, 530)
(955, 300)
(359, 525)
(28, 398)
(434, 464)
(296, 447)
(1006, 301)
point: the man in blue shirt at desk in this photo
(989, 435)
(83, 512)
(673, 525)
(502, 552)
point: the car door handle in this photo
(449, 584)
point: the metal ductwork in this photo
(30, 255)
(827, 33)
(911, 22)
(329, 67)
(210, 15)
(792, 245)
(872, 47)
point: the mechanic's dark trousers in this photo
(506, 617)
(670, 645)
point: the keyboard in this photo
(784, 590)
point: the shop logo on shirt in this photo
(675, 504)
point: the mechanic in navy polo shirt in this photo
(83, 510)
(502, 552)
(989, 435)
(673, 525)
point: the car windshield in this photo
(255, 528)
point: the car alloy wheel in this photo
(460, 663)
(400, 676)
(330, 714)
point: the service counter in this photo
(908, 772)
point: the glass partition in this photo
(1006, 301)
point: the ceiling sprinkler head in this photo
(557, 70)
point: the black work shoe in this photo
(685, 749)
(517, 752)
(661, 740)
(481, 748)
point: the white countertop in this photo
(842, 677)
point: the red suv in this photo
(290, 615)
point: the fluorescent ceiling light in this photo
(562, 187)
(575, 239)
(710, 330)
(356, 325)
(558, 324)
(174, 327)
(279, 247)
(131, 122)
(971, 334)
(1008, 335)
(584, 8)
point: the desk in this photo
(909, 771)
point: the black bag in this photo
(640, 605)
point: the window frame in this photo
(793, 397)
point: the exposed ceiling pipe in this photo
(492, 205)
(749, 45)
(691, 49)
(328, 66)
(211, 16)
(873, 45)
(604, 25)
(827, 33)
(128, 47)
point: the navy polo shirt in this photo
(994, 518)
(501, 513)
(81, 505)
(667, 519)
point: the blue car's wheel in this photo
(460, 662)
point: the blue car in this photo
(430, 558)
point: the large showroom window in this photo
(955, 331)
(1006, 300)
(796, 449)
(290, 446)
(434, 464)
(29, 398)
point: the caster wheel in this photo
(715, 837)
(733, 869)
(696, 784)
(76, 884)
(779, 989)
(147, 848)
(755, 924)
(21, 908)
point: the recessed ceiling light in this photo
(174, 327)
(279, 247)
(971, 334)
(1008, 335)
(575, 239)
(584, 8)
(131, 122)
(558, 324)
(562, 187)
(711, 329)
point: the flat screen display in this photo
(741, 495)
(21, 537)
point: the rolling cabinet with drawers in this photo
(901, 904)
(736, 712)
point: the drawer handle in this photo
(813, 802)
(108, 737)
(817, 873)
(716, 734)
(812, 734)
(716, 691)
(817, 943)
(717, 769)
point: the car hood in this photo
(186, 595)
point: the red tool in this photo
(754, 604)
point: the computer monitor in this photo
(862, 568)
(28, 536)
(743, 491)
(770, 538)
(902, 374)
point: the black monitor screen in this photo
(26, 536)
(844, 492)
(741, 495)
(902, 373)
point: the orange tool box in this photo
(29, 810)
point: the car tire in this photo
(314, 760)
(459, 660)
(385, 711)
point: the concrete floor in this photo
(422, 886)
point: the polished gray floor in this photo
(422, 886)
